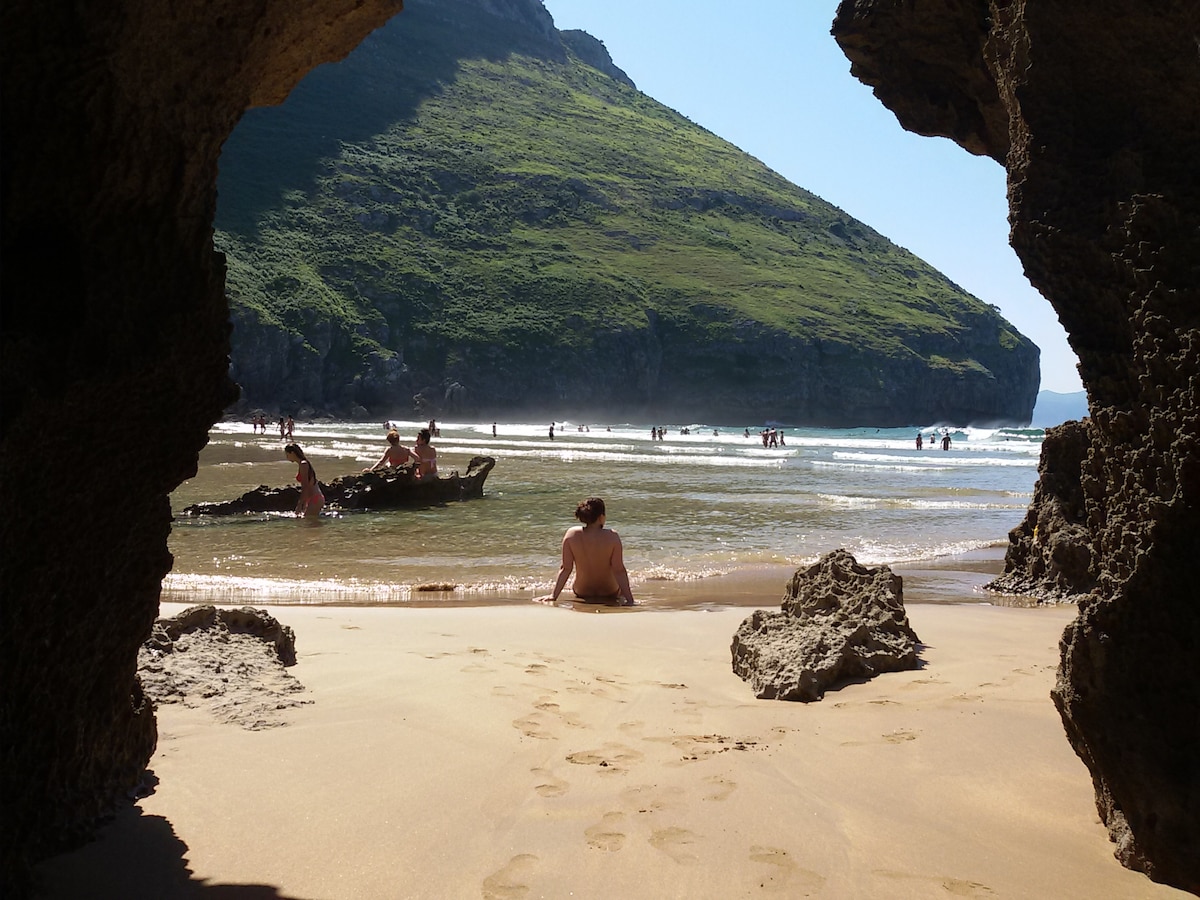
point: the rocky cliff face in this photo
(115, 334)
(595, 54)
(1092, 110)
(665, 369)
(1050, 554)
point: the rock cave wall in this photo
(113, 356)
(114, 343)
(1092, 109)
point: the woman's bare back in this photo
(597, 555)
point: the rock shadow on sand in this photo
(137, 855)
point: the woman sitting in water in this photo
(311, 498)
(395, 455)
(597, 557)
(425, 454)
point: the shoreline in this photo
(508, 752)
(957, 578)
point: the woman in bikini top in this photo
(311, 499)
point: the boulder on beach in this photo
(839, 622)
(230, 662)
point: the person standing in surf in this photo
(311, 499)
(596, 555)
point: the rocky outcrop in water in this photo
(1050, 554)
(390, 488)
(1093, 114)
(839, 622)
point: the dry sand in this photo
(530, 751)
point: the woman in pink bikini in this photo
(311, 498)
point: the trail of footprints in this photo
(648, 812)
(646, 809)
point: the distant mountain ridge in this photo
(475, 214)
(1054, 408)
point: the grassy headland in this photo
(467, 211)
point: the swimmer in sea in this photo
(311, 498)
(596, 555)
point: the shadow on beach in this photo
(136, 855)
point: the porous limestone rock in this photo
(244, 620)
(839, 622)
(388, 488)
(114, 340)
(1091, 109)
(230, 662)
(1050, 554)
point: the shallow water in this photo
(689, 507)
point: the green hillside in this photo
(466, 213)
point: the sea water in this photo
(709, 503)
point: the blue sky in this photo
(766, 76)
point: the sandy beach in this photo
(530, 751)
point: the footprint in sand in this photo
(550, 785)
(606, 687)
(548, 706)
(650, 798)
(606, 834)
(721, 788)
(962, 888)
(899, 736)
(535, 725)
(611, 758)
(676, 843)
(509, 883)
(695, 747)
(957, 887)
(784, 874)
(477, 664)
